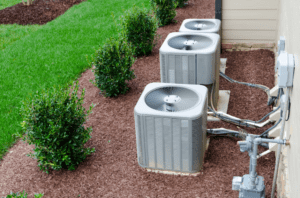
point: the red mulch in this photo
(113, 170)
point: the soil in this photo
(113, 170)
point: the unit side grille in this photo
(197, 142)
(163, 68)
(168, 142)
(138, 139)
(178, 69)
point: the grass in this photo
(35, 57)
(8, 3)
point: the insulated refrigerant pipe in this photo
(279, 146)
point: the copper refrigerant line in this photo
(252, 182)
(244, 122)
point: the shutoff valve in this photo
(252, 185)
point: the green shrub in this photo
(112, 67)
(53, 121)
(23, 195)
(181, 3)
(139, 27)
(164, 10)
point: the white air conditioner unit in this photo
(170, 125)
(191, 58)
(201, 26)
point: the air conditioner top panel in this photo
(200, 25)
(187, 43)
(191, 98)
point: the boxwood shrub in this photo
(139, 26)
(164, 10)
(53, 121)
(113, 63)
(181, 3)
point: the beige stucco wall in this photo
(289, 173)
(249, 21)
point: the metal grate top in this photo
(199, 25)
(172, 99)
(190, 42)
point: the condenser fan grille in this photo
(172, 99)
(190, 42)
(199, 25)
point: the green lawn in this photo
(36, 57)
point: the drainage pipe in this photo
(281, 136)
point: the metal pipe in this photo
(279, 146)
(253, 161)
(251, 124)
(264, 153)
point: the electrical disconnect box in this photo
(286, 66)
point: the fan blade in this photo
(178, 42)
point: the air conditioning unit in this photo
(170, 125)
(192, 58)
(201, 26)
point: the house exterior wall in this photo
(249, 21)
(288, 181)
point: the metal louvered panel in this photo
(185, 145)
(176, 144)
(205, 69)
(138, 139)
(150, 141)
(167, 135)
(163, 68)
(197, 144)
(178, 69)
(171, 144)
(185, 69)
(171, 69)
(192, 69)
(159, 143)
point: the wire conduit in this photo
(279, 146)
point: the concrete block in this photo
(222, 104)
(263, 45)
(226, 45)
(255, 48)
(275, 116)
(244, 49)
(275, 132)
(172, 172)
(243, 45)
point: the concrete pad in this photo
(222, 104)
(223, 64)
(173, 172)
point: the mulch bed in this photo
(113, 170)
(39, 12)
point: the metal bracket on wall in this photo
(218, 9)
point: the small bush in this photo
(112, 67)
(53, 121)
(139, 28)
(181, 3)
(22, 195)
(164, 10)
